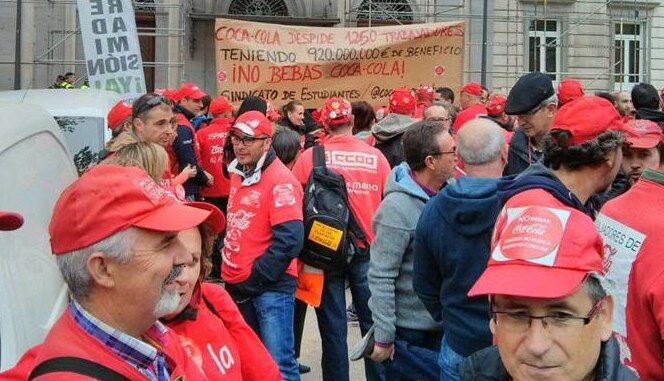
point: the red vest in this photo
(67, 338)
(211, 141)
(224, 346)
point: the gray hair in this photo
(73, 265)
(594, 288)
(480, 141)
(550, 100)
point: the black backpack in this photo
(330, 229)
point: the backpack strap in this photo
(79, 366)
(319, 156)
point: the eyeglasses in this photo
(151, 103)
(245, 140)
(560, 322)
(445, 120)
(442, 153)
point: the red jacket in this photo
(211, 141)
(222, 344)
(67, 338)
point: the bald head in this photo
(481, 141)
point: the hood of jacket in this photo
(486, 365)
(538, 176)
(401, 181)
(653, 115)
(470, 204)
(390, 126)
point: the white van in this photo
(35, 166)
(81, 115)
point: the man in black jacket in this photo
(551, 318)
(534, 101)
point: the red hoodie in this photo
(221, 343)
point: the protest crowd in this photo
(481, 236)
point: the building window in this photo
(628, 55)
(544, 47)
(385, 11)
(258, 8)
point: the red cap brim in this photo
(198, 94)
(642, 142)
(10, 221)
(216, 220)
(527, 281)
(173, 218)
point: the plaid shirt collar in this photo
(146, 358)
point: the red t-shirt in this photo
(364, 169)
(470, 113)
(632, 227)
(211, 141)
(252, 212)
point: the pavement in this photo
(310, 353)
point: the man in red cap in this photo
(119, 118)
(186, 148)
(632, 226)
(389, 130)
(568, 91)
(365, 171)
(644, 140)
(114, 234)
(264, 236)
(496, 112)
(582, 155)
(550, 315)
(425, 96)
(471, 104)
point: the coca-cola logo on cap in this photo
(532, 234)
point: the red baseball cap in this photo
(272, 113)
(402, 101)
(253, 123)
(170, 94)
(642, 133)
(473, 88)
(336, 111)
(569, 90)
(216, 221)
(496, 105)
(586, 118)
(107, 199)
(220, 105)
(10, 221)
(541, 252)
(190, 90)
(425, 93)
(118, 114)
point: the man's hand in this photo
(209, 177)
(381, 354)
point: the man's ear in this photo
(605, 316)
(136, 124)
(612, 158)
(102, 270)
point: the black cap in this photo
(528, 92)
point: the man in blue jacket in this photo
(452, 245)
(189, 106)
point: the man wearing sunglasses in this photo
(533, 100)
(550, 315)
(264, 236)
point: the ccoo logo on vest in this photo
(110, 43)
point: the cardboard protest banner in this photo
(281, 63)
(110, 43)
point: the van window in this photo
(85, 138)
